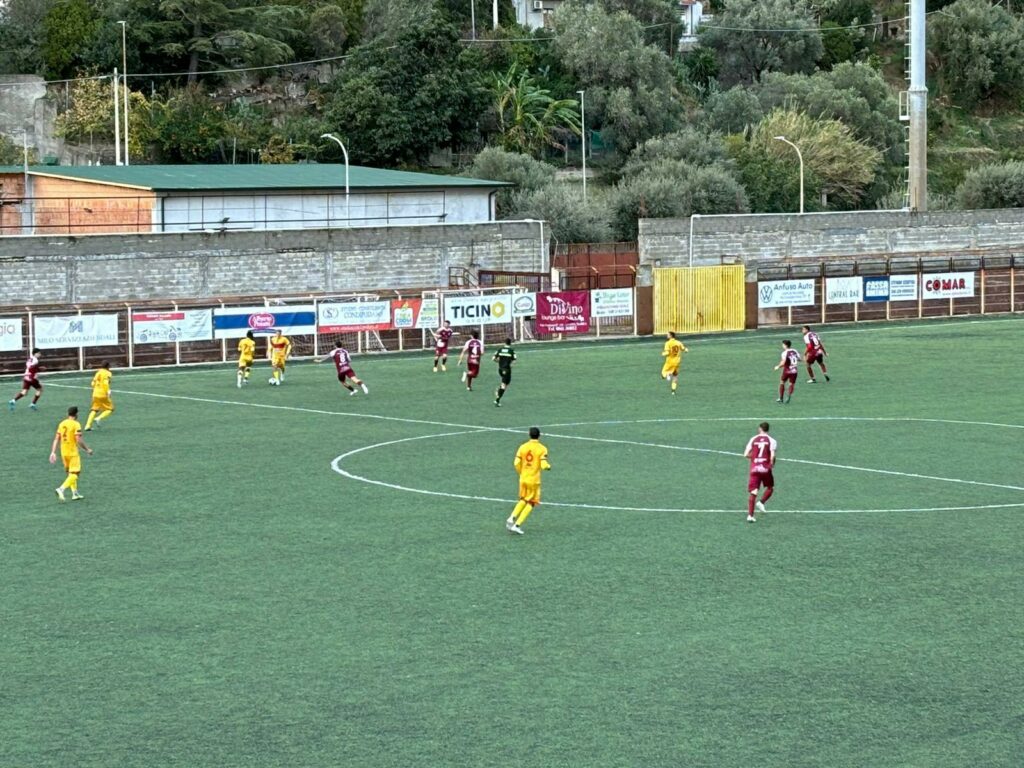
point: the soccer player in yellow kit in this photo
(102, 406)
(246, 353)
(280, 349)
(531, 459)
(673, 354)
(69, 436)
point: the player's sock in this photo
(767, 494)
(74, 484)
(246, 374)
(277, 375)
(782, 391)
(675, 383)
(751, 498)
(518, 510)
(18, 397)
(525, 513)
(67, 482)
(104, 415)
(238, 379)
(36, 398)
(90, 420)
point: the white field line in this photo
(336, 466)
(409, 356)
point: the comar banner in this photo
(563, 312)
(235, 322)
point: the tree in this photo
(573, 219)
(527, 174)
(839, 164)
(189, 127)
(529, 118)
(396, 104)
(980, 51)
(219, 33)
(22, 35)
(992, 186)
(669, 190)
(328, 30)
(630, 87)
(69, 27)
(12, 153)
(746, 50)
(733, 111)
(687, 148)
(90, 115)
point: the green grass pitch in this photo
(223, 597)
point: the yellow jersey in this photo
(531, 458)
(673, 350)
(246, 348)
(68, 432)
(101, 383)
(280, 346)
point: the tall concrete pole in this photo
(918, 103)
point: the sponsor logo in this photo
(76, 326)
(9, 329)
(261, 320)
(563, 307)
(524, 304)
(767, 292)
(946, 284)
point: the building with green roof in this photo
(185, 198)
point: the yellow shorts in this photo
(530, 492)
(102, 403)
(277, 362)
(669, 369)
(72, 463)
(245, 362)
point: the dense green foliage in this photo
(405, 85)
(993, 186)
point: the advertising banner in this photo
(876, 288)
(785, 293)
(563, 312)
(11, 334)
(611, 302)
(844, 290)
(947, 285)
(64, 331)
(351, 316)
(491, 309)
(234, 322)
(414, 313)
(524, 305)
(163, 327)
(902, 287)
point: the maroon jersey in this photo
(760, 449)
(32, 369)
(342, 360)
(474, 350)
(813, 343)
(443, 335)
(790, 362)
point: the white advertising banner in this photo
(341, 316)
(902, 287)
(62, 331)
(492, 309)
(524, 305)
(11, 334)
(430, 314)
(169, 327)
(947, 285)
(611, 302)
(844, 290)
(785, 293)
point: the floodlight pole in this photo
(583, 138)
(918, 109)
(344, 152)
(124, 74)
(117, 120)
(800, 155)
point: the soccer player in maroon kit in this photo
(343, 363)
(29, 381)
(761, 450)
(814, 353)
(472, 351)
(790, 365)
(441, 338)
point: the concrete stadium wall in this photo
(133, 267)
(767, 238)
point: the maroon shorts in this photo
(31, 384)
(757, 479)
(473, 369)
(790, 377)
(811, 357)
(441, 350)
(347, 373)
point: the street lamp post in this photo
(124, 74)
(344, 152)
(583, 138)
(800, 155)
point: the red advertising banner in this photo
(563, 312)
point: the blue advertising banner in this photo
(234, 322)
(876, 288)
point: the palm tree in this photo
(529, 117)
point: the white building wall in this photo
(247, 211)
